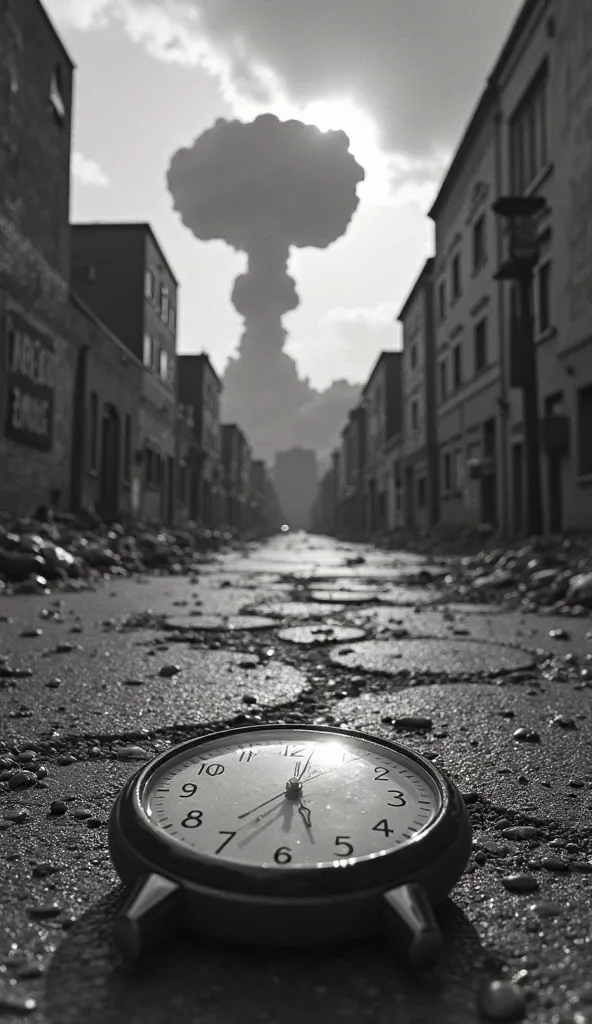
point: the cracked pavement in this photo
(94, 682)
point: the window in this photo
(480, 345)
(446, 475)
(155, 356)
(585, 431)
(544, 295)
(164, 304)
(93, 432)
(182, 482)
(479, 252)
(456, 278)
(441, 301)
(127, 449)
(528, 136)
(456, 367)
(457, 472)
(56, 95)
(443, 380)
(421, 492)
(172, 318)
(414, 414)
(171, 377)
(153, 468)
(148, 350)
(148, 283)
(413, 355)
(164, 365)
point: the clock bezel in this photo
(139, 847)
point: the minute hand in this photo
(277, 796)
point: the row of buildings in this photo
(486, 414)
(97, 409)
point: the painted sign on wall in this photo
(31, 384)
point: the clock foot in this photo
(411, 925)
(151, 910)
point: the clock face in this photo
(291, 799)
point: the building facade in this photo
(119, 271)
(353, 458)
(383, 413)
(200, 454)
(417, 452)
(236, 462)
(37, 349)
(295, 478)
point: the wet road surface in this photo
(94, 683)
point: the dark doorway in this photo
(518, 488)
(554, 407)
(489, 480)
(109, 466)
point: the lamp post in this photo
(520, 214)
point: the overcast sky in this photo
(401, 77)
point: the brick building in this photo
(120, 272)
(199, 443)
(236, 461)
(36, 346)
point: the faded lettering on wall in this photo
(31, 384)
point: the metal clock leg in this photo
(411, 924)
(152, 909)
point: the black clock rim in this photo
(139, 848)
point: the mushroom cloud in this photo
(263, 187)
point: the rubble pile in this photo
(46, 549)
(555, 575)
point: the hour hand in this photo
(305, 814)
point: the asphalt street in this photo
(95, 681)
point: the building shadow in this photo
(194, 979)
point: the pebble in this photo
(21, 779)
(130, 753)
(555, 864)
(132, 682)
(502, 1000)
(65, 648)
(31, 632)
(520, 883)
(18, 814)
(45, 910)
(527, 735)
(81, 813)
(58, 807)
(169, 670)
(26, 757)
(564, 722)
(546, 908)
(66, 759)
(520, 832)
(413, 722)
(559, 634)
(44, 869)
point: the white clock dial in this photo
(298, 801)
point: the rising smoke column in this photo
(263, 187)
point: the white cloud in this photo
(88, 172)
(348, 343)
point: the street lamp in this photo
(521, 215)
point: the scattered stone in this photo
(502, 1000)
(16, 814)
(81, 813)
(58, 807)
(546, 908)
(555, 864)
(131, 753)
(13, 1001)
(44, 869)
(167, 671)
(526, 735)
(521, 832)
(45, 910)
(66, 759)
(413, 722)
(564, 721)
(132, 682)
(21, 780)
(559, 634)
(520, 883)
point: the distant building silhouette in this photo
(295, 475)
